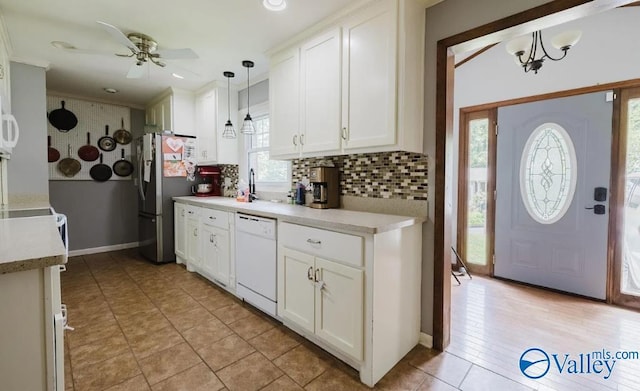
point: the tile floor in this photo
(140, 326)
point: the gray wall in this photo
(99, 214)
(259, 93)
(27, 168)
(445, 19)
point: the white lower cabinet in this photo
(216, 255)
(323, 297)
(180, 232)
(192, 250)
(204, 241)
(357, 295)
(339, 303)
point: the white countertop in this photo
(30, 242)
(337, 219)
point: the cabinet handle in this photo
(212, 218)
(195, 232)
(313, 241)
(309, 276)
(211, 238)
(190, 212)
(315, 275)
(295, 140)
(344, 133)
(302, 139)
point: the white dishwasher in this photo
(256, 261)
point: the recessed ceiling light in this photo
(274, 5)
(62, 45)
(110, 90)
(177, 76)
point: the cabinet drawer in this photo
(191, 211)
(217, 218)
(322, 243)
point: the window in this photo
(271, 175)
(548, 173)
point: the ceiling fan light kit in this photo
(274, 5)
(247, 124)
(526, 49)
(229, 131)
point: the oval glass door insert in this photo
(548, 173)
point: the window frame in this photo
(260, 111)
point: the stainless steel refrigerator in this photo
(166, 168)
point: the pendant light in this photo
(229, 131)
(526, 49)
(247, 124)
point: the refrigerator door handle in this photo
(140, 178)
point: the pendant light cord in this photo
(248, 98)
(228, 99)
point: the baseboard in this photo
(426, 340)
(103, 249)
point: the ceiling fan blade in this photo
(176, 54)
(118, 36)
(180, 71)
(137, 71)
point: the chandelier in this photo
(530, 52)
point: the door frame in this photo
(617, 186)
(463, 172)
(561, 11)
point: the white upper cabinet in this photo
(320, 93)
(211, 113)
(356, 87)
(369, 78)
(5, 84)
(284, 103)
(174, 111)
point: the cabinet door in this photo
(150, 116)
(166, 122)
(193, 242)
(339, 307)
(180, 230)
(369, 77)
(205, 112)
(223, 255)
(320, 93)
(295, 289)
(216, 257)
(209, 254)
(284, 105)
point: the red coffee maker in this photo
(210, 175)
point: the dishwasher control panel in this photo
(259, 226)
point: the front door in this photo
(551, 230)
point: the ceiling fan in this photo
(144, 50)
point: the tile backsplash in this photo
(401, 175)
(230, 172)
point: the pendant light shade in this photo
(229, 131)
(247, 124)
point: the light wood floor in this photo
(494, 322)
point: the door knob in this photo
(598, 209)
